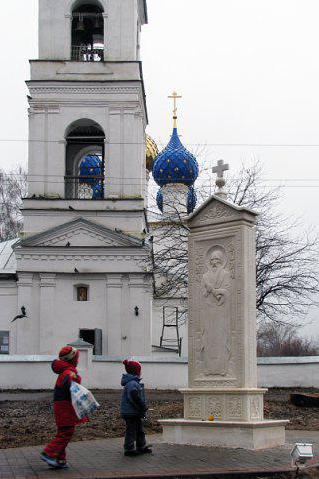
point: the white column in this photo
(36, 152)
(140, 327)
(131, 165)
(47, 313)
(24, 340)
(125, 317)
(106, 35)
(114, 185)
(113, 314)
(68, 36)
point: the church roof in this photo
(59, 235)
(175, 164)
(8, 263)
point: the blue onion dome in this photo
(191, 200)
(159, 200)
(91, 165)
(175, 164)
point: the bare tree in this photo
(287, 262)
(12, 190)
(283, 340)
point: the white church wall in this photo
(9, 308)
(129, 71)
(129, 221)
(34, 372)
(55, 317)
(26, 332)
(100, 261)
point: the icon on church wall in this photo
(82, 293)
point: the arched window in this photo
(87, 32)
(85, 164)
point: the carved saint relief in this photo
(215, 314)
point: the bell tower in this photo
(82, 263)
(87, 116)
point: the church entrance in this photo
(94, 337)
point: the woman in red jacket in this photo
(65, 417)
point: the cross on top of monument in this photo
(220, 168)
(175, 96)
(220, 180)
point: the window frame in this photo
(3, 335)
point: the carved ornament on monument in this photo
(215, 407)
(195, 407)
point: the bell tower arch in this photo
(63, 23)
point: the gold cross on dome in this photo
(174, 96)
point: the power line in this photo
(28, 176)
(131, 183)
(253, 145)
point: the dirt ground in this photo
(27, 418)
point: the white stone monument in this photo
(223, 406)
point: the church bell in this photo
(80, 27)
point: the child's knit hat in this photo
(68, 353)
(132, 367)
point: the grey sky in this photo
(248, 71)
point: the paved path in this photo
(103, 459)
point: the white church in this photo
(82, 267)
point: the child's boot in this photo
(131, 452)
(145, 450)
(49, 460)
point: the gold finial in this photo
(174, 96)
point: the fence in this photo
(99, 372)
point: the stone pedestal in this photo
(247, 435)
(223, 406)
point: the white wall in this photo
(289, 372)
(34, 372)
(55, 316)
(8, 303)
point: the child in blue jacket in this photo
(133, 409)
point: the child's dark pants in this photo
(134, 433)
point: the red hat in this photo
(68, 353)
(132, 367)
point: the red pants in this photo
(57, 447)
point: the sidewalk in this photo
(104, 459)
